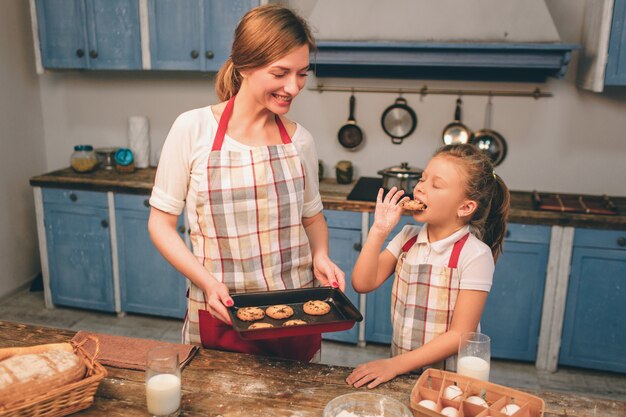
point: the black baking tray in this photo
(342, 316)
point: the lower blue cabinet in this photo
(594, 328)
(79, 249)
(148, 283)
(512, 315)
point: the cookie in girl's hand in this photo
(316, 307)
(250, 313)
(413, 205)
(279, 311)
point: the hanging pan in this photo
(350, 135)
(456, 132)
(490, 141)
(399, 121)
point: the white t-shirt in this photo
(186, 151)
(475, 264)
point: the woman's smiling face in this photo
(277, 84)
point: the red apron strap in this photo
(223, 125)
(456, 251)
(409, 244)
(283, 132)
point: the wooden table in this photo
(235, 385)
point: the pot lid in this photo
(402, 171)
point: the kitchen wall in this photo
(23, 153)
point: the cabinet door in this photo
(79, 256)
(512, 315)
(378, 326)
(594, 329)
(221, 19)
(148, 283)
(114, 34)
(176, 34)
(616, 62)
(344, 247)
(62, 33)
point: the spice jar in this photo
(124, 160)
(343, 172)
(83, 158)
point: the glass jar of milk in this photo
(474, 356)
(163, 382)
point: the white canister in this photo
(139, 140)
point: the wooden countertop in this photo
(333, 196)
(236, 385)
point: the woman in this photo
(248, 177)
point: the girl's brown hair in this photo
(487, 189)
(264, 35)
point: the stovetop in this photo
(366, 189)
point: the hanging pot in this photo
(402, 177)
(456, 132)
(350, 135)
(399, 121)
(490, 141)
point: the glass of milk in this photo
(474, 356)
(163, 382)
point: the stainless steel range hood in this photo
(495, 40)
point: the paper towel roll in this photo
(139, 140)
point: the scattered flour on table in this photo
(345, 413)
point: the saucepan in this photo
(456, 132)
(350, 135)
(402, 177)
(490, 141)
(399, 121)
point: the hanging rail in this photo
(424, 91)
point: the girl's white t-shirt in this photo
(185, 153)
(475, 265)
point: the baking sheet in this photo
(342, 316)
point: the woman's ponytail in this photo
(494, 228)
(228, 81)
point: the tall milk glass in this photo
(474, 355)
(163, 382)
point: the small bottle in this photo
(124, 160)
(83, 159)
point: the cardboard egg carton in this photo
(433, 382)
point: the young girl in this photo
(443, 269)
(248, 178)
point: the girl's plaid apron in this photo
(250, 237)
(423, 299)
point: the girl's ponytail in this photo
(228, 81)
(494, 228)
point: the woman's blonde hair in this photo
(264, 35)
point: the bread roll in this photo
(27, 376)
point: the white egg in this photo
(476, 400)
(450, 412)
(510, 409)
(452, 392)
(431, 405)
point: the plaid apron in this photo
(423, 299)
(249, 234)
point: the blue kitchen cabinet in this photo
(193, 35)
(378, 326)
(148, 283)
(79, 248)
(344, 241)
(512, 314)
(594, 329)
(616, 61)
(89, 34)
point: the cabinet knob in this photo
(194, 54)
(73, 197)
(181, 229)
(209, 55)
(146, 202)
(621, 241)
(104, 224)
(80, 53)
(93, 53)
(357, 246)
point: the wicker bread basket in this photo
(65, 399)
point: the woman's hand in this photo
(328, 273)
(374, 373)
(218, 299)
(388, 210)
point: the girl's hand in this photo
(388, 211)
(375, 372)
(328, 273)
(217, 300)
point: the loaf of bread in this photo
(27, 376)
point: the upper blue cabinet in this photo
(616, 63)
(89, 34)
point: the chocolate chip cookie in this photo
(295, 322)
(250, 313)
(316, 307)
(260, 326)
(279, 311)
